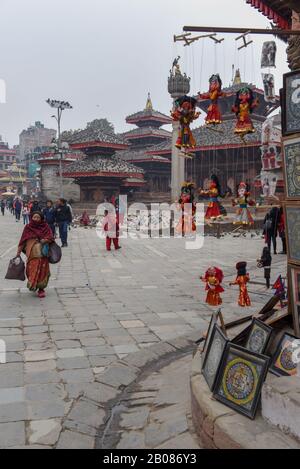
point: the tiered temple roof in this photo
(99, 143)
(148, 117)
(278, 11)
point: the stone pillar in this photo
(178, 85)
(293, 50)
(178, 165)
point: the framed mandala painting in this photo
(291, 166)
(290, 100)
(259, 337)
(286, 359)
(292, 217)
(216, 316)
(240, 379)
(212, 361)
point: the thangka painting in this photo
(240, 379)
(287, 356)
(259, 337)
(214, 355)
(291, 158)
(294, 283)
(290, 98)
(292, 213)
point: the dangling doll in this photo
(215, 92)
(213, 278)
(185, 113)
(213, 211)
(243, 215)
(244, 106)
(241, 280)
(187, 206)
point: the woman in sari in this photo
(34, 242)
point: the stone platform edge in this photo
(219, 427)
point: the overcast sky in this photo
(105, 55)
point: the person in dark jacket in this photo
(3, 207)
(35, 206)
(63, 217)
(18, 208)
(49, 215)
(265, 261)
(271, 222)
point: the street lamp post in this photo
(60, 106)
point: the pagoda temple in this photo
(219, 150)
(101, 173)
(142, 140)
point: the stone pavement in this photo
(101, 307)
(155, 414)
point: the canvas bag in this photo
(16, 269)
(55, 253)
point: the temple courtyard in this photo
(120, 322)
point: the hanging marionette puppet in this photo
(213, 211)
(213, 278)
(243, 201)
(187, 207)
(185, 113)
(241, 280)
(215, 92)
(244, 105)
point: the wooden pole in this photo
(208, 29)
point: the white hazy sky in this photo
(105, 55)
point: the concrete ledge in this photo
(219, 427)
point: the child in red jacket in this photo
(111, 228)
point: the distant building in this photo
(34, 137)
(7, 155)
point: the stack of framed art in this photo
(290, 97)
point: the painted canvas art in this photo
(287, 356)
(291, 157)
(259, 337)
(293, 232)
(216, 347)
(240, 379)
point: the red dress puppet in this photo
(213, 278)
(187, 206)
(241, 280)
(185, 113)
(213, 211)
(243, 108)
(215, 92)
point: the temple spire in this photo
(237, 79)
(149, 106)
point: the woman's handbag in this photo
(16, 269)
(55, 253)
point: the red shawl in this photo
(36, 231)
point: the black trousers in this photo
(272, 239)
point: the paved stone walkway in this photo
(155, 414)
(101, 307)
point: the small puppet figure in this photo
(215, 92)
(185, 113)
(213, 211)
(280, 290)
(241, 280)
(244, 106)
(187, 206)
(213, 278)
(243, 215)
(265, 261)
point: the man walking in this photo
(49, 215)
(18, 209)
(3, 207)
(63, 218)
